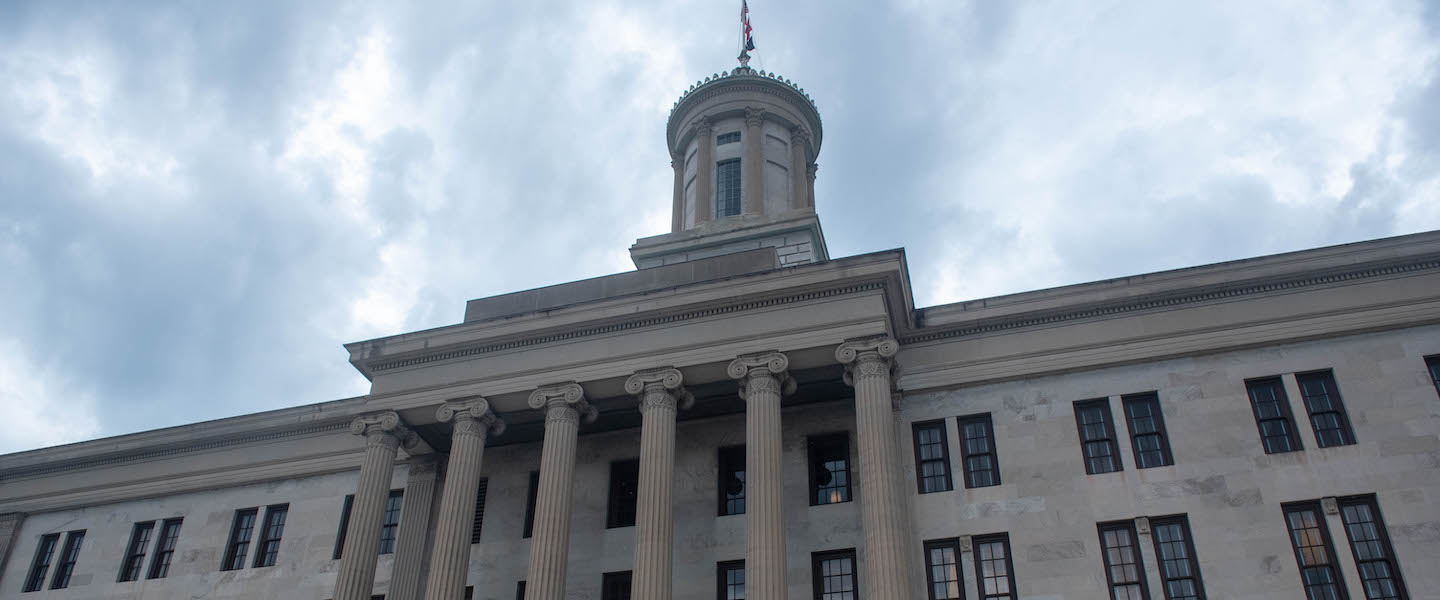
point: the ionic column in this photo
(677, 211)
(704, 181)
(661, 394)
(564, 404)
(450, 557)
(414, 522)
(752, 170)
(799, 188)
(763, 378)
(810, 183)
(868, 365)
(384, 434)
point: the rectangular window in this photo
(829, 468)
(44, 553)
(727, 188)
(730, 580)
(615, 586)
(1433, 363)
(1272, 415)
(1124, 570)
(1148, 437)
(269, 547)
(932, 456)
(624, 485)
(344, 526)
(1097, 436)
(241, 530)
(942, 570)
(1313, 551)
(1327, 410)
(390, 520)
(994, 572)
(165, 549)
(530, 503)
(66, 567)
(135, 551)
(481, 492)
(727, 138)
(1370, 544)
(1179, 571)
(977, 450)
(833, 575)
(731, 486)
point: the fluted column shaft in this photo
(868, 367)
(810, 182)
(384, 434)
(660, 397)
(752, 171)
(799, 189)
(450, 558)
(763, 378)
(414, 522)
(704, 181)
(550, 532)
(677, 210)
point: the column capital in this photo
(810, 170)
(798, 136)
(873, 355)
(762, 369)
(677, 162)
(384, 428)
(471, 415)
(703, 127)
(662, 386)
(754, 116)
(563, 401)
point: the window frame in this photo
(237, 548)
(722, 139)
(813, 444)
(42, 561)
(386, 527)
(1184, 522)
(722, 584)
(1128, 527)
(1346, 429)
(944, 460)
(344, 527)
(477, 524)
(726, 457)
(530, 495)
(165, 545)
(619, 505)
(1332, 563)
(720, 201)
(965, 455)
(1003, 538)
(1383, 537)
(1161, 431)
(1110, 431)
(1282, 400)
(953, 544)
(69, 557)
(262, 552)
(1432, 364)
(608, 582)
(134, 559)
(817, 579)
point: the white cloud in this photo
(43, 407)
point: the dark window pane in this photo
(1147, 430)
(977, 451)
(1272, 415)
(165, 549)
(1179, 570)
(269, 548)
(1311, 540)
(833, 575)
(1433, 363)
(730, 580)
(1379, 573)
(615, 586)
(1123, 567)
(829, 468)
(344, 526)
(530, 503)
(390, 521)
(241, 530)
(1097, 436)
(135, 551)
(482, 492)
(942, 570)
(1327, 410)
(66, 567)
(994, 571)
(731, 485)
(44, 554)
(727, 138)
(727, 188)
(624, 485)
(932, 457)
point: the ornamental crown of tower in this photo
(743, 145)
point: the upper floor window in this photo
(731, 486)
(1327, 410)
(624, 485)
(269, 548)
(1097, 436)
(1370, 545)
(40, 565)
(1179, 571)
(482, 491)
(242, 528)
(994, 572)
(165, 549)
(727, 188)
(727, 138)
(135, 551)
(730, 580)
(829, 468)
(1433, 362)
(977, 451)
(530, 503)
(344, 526)
(932, 456)
(1313, 551)
(1272, 415)
(1148, 437)
(942, 570)
(833, 575)
(390, 520)
(1124, 570)
(68, 556)
(615, 586)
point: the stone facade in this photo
(713, 349)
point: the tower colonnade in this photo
(762, 380)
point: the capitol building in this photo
(746, 416)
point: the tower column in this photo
(799, 186)
(550, 532)
(414, 522)
(868, 366)
(752, 171)
(677, 210)
(661, 395)
(704, 175)
(763, 377)
(810, 183)
(384, 434)
(450, 558)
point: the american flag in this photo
(745, 27)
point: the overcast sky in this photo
(200, 202)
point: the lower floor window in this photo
(942, 569)
(1124, 570)
(730, 580)
(834, 575)
(994, 572)
(1179, 571)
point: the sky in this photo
(200, 202)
